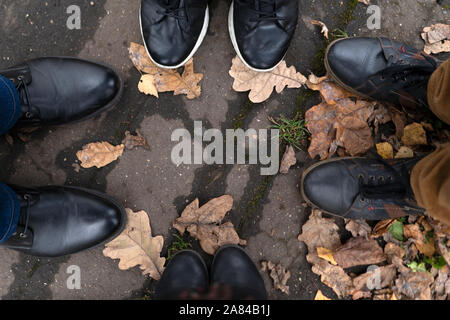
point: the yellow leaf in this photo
(321, 24)
(147, 85)
(394, 297)
(261, 84)
(99, 154)
(326, 254)
(136, 246)
(321, 296)
(414, 134)
(404, 152)
(385, 150)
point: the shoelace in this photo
(265, 15)
(413, 78)
(23, 87)
(26, 197)
(171, 11)
(395, 185)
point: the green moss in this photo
(177, 245)
(239, 119)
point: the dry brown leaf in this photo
(261, 84)
(358, 228)
(321, 296)
(136, 246)
(320, 232)
(404, 152)
(379, 278)
(288, 160)
(321, 24)
(366, 2)
(414, 134)
(327, 255)
(359, 251)
(332, 276)
(279, 275)
(134, 141)
(205, 224)
(393, 250)
(147, 85)
(385, 150)
(382, 227)
(414, 285)
(99, 154)
(425, 246)
(166, 80)
(437, 38)
(338, 121)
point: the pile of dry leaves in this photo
(402, 258)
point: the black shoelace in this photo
(268, 13)
(28, 110)
(173, 11)
(413, 77)
(25, 216)
(394, 185)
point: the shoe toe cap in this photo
(330, 187)
(352, 60)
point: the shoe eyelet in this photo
(23, 235)
(362, 200)
(372, 178)
(28, 115)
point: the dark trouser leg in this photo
(9, 212)
(10, 107)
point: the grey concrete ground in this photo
(267, 209)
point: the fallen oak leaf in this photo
(147, 85)
(359, 251)
(132, 141)
(261, 84)
(165, 80)
(288, 160)
(321, 24)
(327, 255)
(414, 134)
(320, 232)
(437, 38)
(279, 275)
(379, 278)
(205, 224)
(136, 246)
(358, 228)
(99, 154)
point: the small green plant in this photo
(396, 230)
(292, 131)
(424, 263)
(177, 245)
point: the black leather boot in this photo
(173, 30)
(261, 31)
(233, 268)
(57, 221)
(360, 188)
(58, 90)
(185, 274)
(381, 69)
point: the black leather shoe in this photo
(185, 274)
(261, 31)
(381, 69)
(360, 188)
(57, 221)
(233, 267)
(61, 90)
(173, 30)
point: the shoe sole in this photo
(236, 47)
(123, 220)
(336, 78)
(110, 104)
(312, 167)
(196, 47)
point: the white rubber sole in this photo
(235, 45)
(197, 45)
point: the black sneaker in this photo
(361, 188)
(173, 30)
(261, 31)
(381, 69)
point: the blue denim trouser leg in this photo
(9, 212)
(10, 108)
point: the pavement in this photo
(267, 209)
